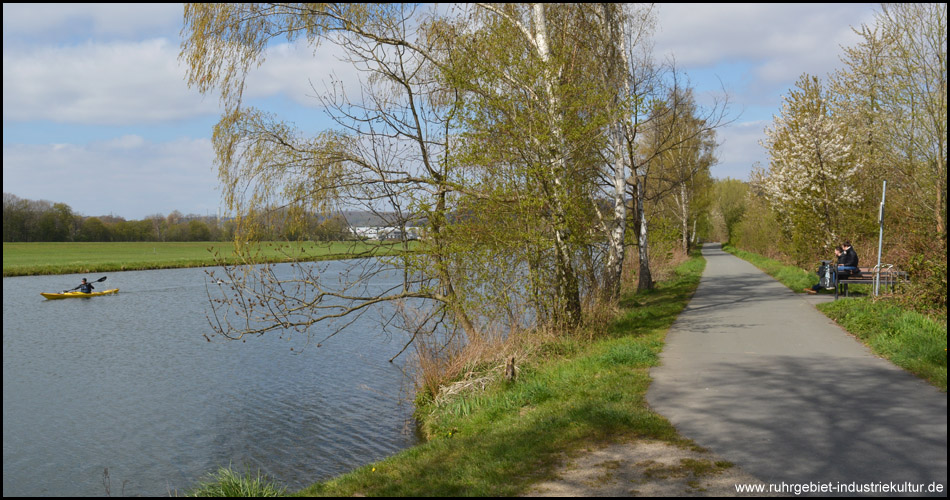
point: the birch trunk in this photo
(613, 268)
(684, 215)
(567, 284)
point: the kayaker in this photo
(85, 287)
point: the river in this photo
(128, 383)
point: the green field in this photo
(22, 259)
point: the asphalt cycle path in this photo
(753, 372)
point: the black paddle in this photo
(97, 281)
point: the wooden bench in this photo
(888, 276)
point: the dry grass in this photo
(470, 364)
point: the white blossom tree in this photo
(810, 180)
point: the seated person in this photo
(848, 262)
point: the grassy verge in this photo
(21, 259)
(909, 339)
(915, 342)
(575, 393)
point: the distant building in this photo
(387, 233)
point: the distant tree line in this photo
(31, 220)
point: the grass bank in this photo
(915, 342)
(22, 259)
(575, 391)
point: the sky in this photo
(97, 114)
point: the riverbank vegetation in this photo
(914, 341)
(534, 146)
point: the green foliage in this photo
(759, 231)
(38, 221)
(927, 290)
(532, 144)
(92, 229)
(730, 199)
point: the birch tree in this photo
(630, 77)
(527, 86)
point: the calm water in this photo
(128, 382)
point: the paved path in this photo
(753, 372)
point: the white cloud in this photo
(708, 34)
(125, 176)
(51, 23)
(113, 83)
(123, 83)
(117, 64)
(758, 51)
(125, 142)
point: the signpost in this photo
(880, 240)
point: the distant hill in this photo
(362, 218)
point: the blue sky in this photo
(96, 112)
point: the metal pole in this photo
(880, 240)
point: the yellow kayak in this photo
(72, 295)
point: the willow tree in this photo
(389, 153)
